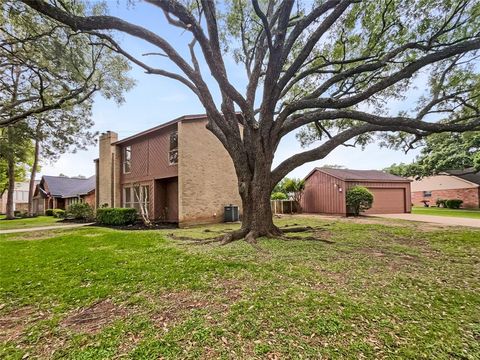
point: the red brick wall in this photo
(90, 199)
(470, 196)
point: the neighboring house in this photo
(325, 191)
(58, 192)
(463, 185)
(20, 198)
(179, 170)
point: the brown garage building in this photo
(325, 190)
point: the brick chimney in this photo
(108, 178)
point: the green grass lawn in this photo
(465, 213)
(379, 291)
(27, 223)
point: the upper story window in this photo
(127, 159)
(427, 194)
(173, 153)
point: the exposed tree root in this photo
(306, 238)
(296, 229)
(251, 236)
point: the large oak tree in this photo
(332, 63)
(49, 75)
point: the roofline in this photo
(161, 126)
(459, 178)
(348, 179)
(381, 180)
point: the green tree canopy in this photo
(443, 152)
(58, 68)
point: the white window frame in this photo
(127, 160)
(134, 201)
(173, 150)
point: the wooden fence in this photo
(283, 206)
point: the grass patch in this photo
(463, 213)
(378, 292)
(27, 222)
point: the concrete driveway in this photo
(443, 220)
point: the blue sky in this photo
(155, 100)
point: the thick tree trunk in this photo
(33, 174)
(11, 181)
(257, 219)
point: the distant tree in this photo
(334, 65)
(59, 70)
(400, 169)
(333, 166)
(16, 152)
(278, 195)
(443, 152)
(20, 169)
(294, 188)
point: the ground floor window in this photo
(71, 201)
(136, 196)
(427, 194)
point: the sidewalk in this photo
(42, 228)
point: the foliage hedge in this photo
(116, 216)
(450, 203)
(49, 212)
(278, 195)
(80, 211)
(359, 199)
(453, 203)
(441, 203)
(58, 213)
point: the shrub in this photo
(278, 195)
(116, 216)
(20, 213)
(440, 203)
(80, 211)
(58, 213)
(453, 203)
(49, 212)
(359, 199)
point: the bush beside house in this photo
(58, 213)
(116, 216)
(449, 203)
(359, 199)
(80, 211)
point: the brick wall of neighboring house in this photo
(90, 199)
(206, 176)
(470, 196)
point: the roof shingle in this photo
(362, 175)
(63, 186)
(466, 174)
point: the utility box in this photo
(231, 213)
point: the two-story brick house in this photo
(179, 169)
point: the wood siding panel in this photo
(158, 155)
(150, 157)
(324, 194)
